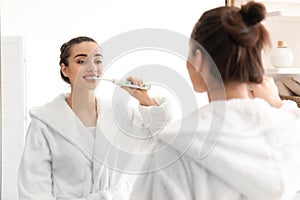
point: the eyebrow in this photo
(85, 55)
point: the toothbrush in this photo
(127, 84)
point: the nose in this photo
(92, 67)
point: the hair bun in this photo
(253, 12)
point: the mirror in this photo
(35, 30)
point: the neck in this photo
(83, 104)
(231, 90)
(81, 100)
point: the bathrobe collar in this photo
(60, 117)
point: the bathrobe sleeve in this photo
(290, 106)
(141, 120)
(155, 117)
(34, 178)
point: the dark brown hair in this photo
(65, 51)
(234, 38)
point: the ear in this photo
(64, 69)
(198, 62)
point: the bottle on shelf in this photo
(282, 56)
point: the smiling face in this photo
(84, 65)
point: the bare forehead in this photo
(88, 48)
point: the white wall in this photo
(45, 25)
(286, 7)
(13, 111)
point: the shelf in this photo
(279, 71)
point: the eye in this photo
(80, 61)
(98, 62)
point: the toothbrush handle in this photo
(145, 87)
(129, 84)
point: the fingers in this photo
(135, 81)
(268, 83)
(260, 89)
(267, 90)
(140, 95)
(131, 91)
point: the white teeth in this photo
(92, 77)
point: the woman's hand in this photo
(140, 95)
(266, 90)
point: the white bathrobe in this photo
(62, 160)
(240, 149)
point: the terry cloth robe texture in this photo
(62, 160)
(240, 149)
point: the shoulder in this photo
(37, 133)
(54, 105)
(43, 116)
